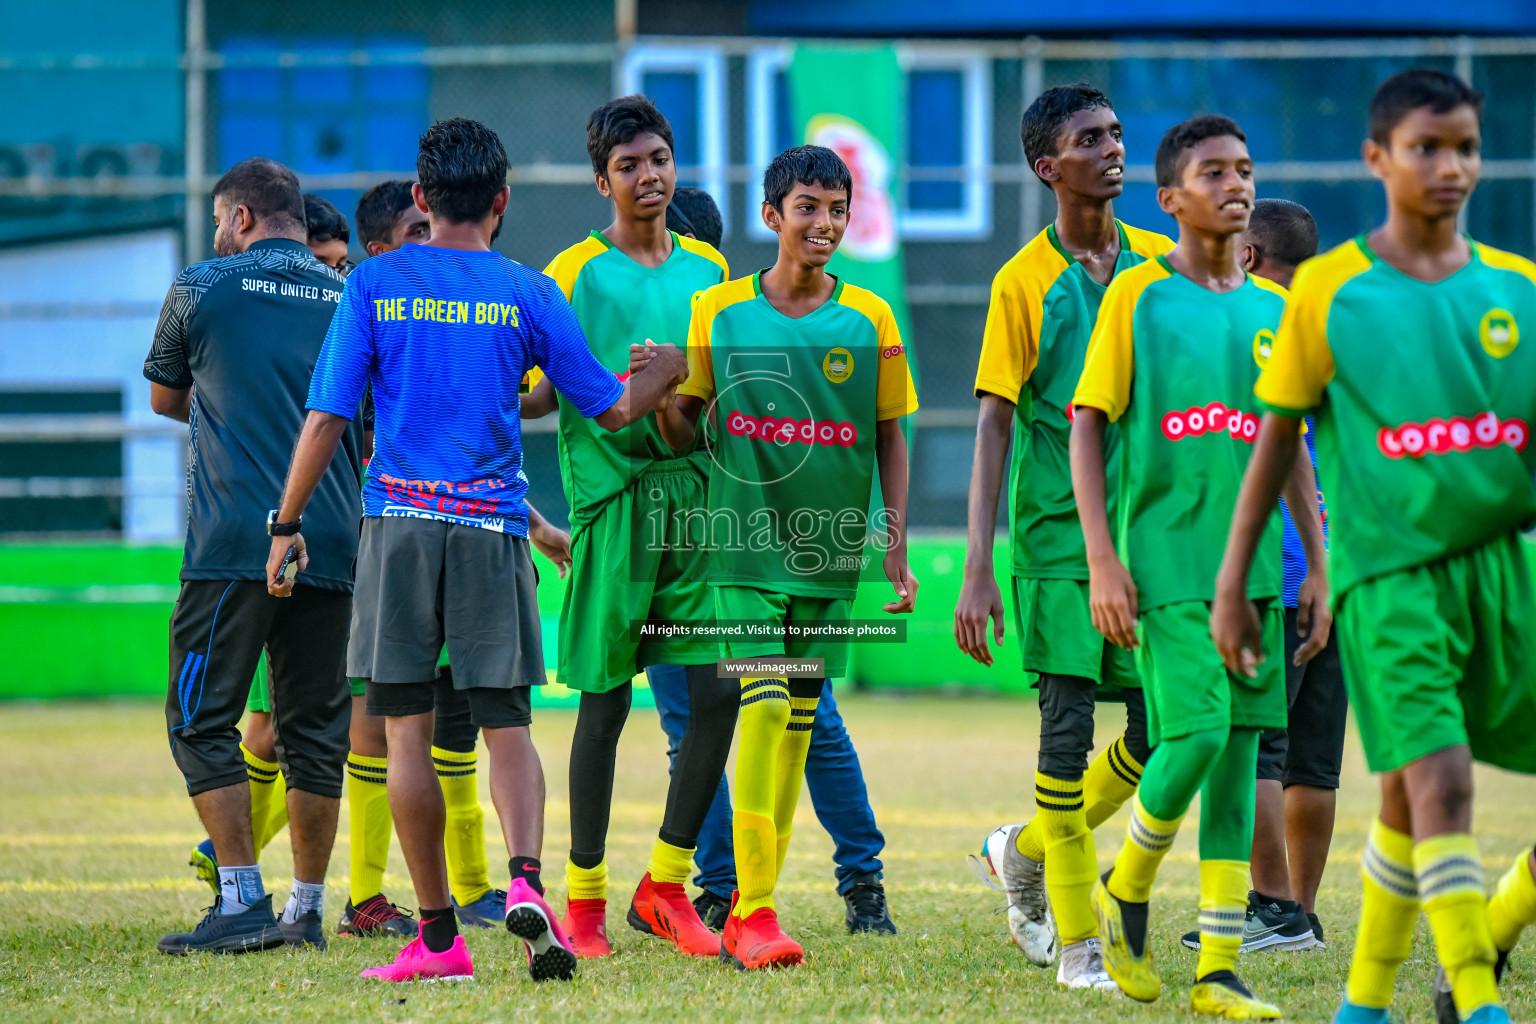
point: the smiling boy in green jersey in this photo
(1173, 359)
(633, 282)
(1406, 342)
(1044, 303)
(806, 379)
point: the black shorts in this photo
(1310, 750)
(218, 631)
(1066, 724)
(489, 708)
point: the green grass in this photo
(95, 827)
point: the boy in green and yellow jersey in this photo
(805, 378)
(1044, 304)
(633, 282)
(1173, 359)
(1407, 344)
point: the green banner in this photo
(851, 99)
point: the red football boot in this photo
(758, 941)
(586, 925)
(662, 908)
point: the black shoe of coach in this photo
(228, 933)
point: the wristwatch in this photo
(277, 529)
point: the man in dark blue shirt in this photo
(232, 356)
(443, 333)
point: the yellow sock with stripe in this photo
(469, 876)
(1223, 905)
(1071, 862)
(1388, 911)
(764, 718)
(669, 864)
(1449, 870)
(790, 777)
(1513, 904)
(586, 883)
(1147, 842)
(369, 824)
(269, 798)
(1111, 780)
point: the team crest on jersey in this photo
(1498, 332)
(838, 365)
(1263, 345)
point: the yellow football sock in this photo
(1449, 870)
(669, 864)
(469, 876)
(764, 717)
(1111, 779)
(1223, 905)
(789, 777)
(586, 883)
(269, 799)
(369, 824)
(1513, 904)
(1071, 862)
(1387, 915)
(1147, 842)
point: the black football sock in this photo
(527, 868)
(438, 929)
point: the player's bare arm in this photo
(551, 541)
(1314, 619)
(891, 457)
(980, 598)
(1111, 591)
(539, 402)
(173, 403)
(1234, 620)
(665, 371)
(311, 455)
(679, 421)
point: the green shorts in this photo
(624, 570)
(1444, 654)
(1188, 688)
(260, 698)
(752, 605)
(1055, 629)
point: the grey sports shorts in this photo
(423, 584)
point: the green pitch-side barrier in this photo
(93, 621)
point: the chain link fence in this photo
(340, 91)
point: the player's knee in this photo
(1445, 798)
(1204, 748)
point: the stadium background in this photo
(122, 114)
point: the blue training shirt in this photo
(444, 336)
(1293, 560)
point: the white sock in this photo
(240, 888)
(306, 896)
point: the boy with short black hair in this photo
(328, 231)
(387, 218)
(692, 213)
(1173, 358)
(1044, 303)
(632, 283)
(810, 378)
(1423, 446)
(444, 555)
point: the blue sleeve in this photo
(341, 372)
(561, 350)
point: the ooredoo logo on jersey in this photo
(1457, 434)
(1214, 418)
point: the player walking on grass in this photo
(1173, 359)
(805, 377)
(1423, 447)
(232, 355)
(632, 282)
(1298, 775)
(443, 333)
(1044, 303)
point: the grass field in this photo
(95, 827)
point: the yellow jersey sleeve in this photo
(895, 394)
(531, 379)
(709, 252)
(701, 364)
(1110, 364)
(566, 267)
(1010, 342)
(1300, 361)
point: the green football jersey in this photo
(1174, 364)
(619, 303)
(1425, 396)
(1044, 304)
(794, 405)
